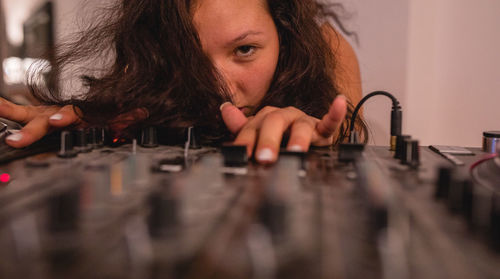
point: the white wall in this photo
(454, 70)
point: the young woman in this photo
(254, 69)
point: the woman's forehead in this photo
(223, 20)
(228, 5)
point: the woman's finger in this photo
(33, 131)
(247, 137)
(234, 118)
(248, 134)
(301, 134)
(64, 117)
(333, 119)
(271, 133)
(15, 112)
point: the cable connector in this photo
(396, 118)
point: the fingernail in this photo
(56, 116)
(15, 137)
(296, 148)
(265, 155)
(225, 104)
(342, 96)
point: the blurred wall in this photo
(16, 12)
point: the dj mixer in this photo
(84, 209)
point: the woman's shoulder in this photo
(347, 72)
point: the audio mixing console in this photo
(88, 210)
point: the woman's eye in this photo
(244, 51)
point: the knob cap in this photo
(491, 141)
(66, 150)
(149, 137)
(81, 141)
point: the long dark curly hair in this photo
(147, 54)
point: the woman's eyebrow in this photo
(242, 37)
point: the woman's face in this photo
(241, 39)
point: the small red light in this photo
(4, 177)
(115, 140)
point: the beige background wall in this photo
(454, 70)
(440, 58)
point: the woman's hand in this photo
(265, 130)
(38, 121)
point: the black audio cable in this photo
(396, 117)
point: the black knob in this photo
(64, 210)
(234, 155)
(164, 214)
(96, 137)
(81, 141)
(399, 146)
(66, 150)
(443, 182)
(149, 137)
(192, 138)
